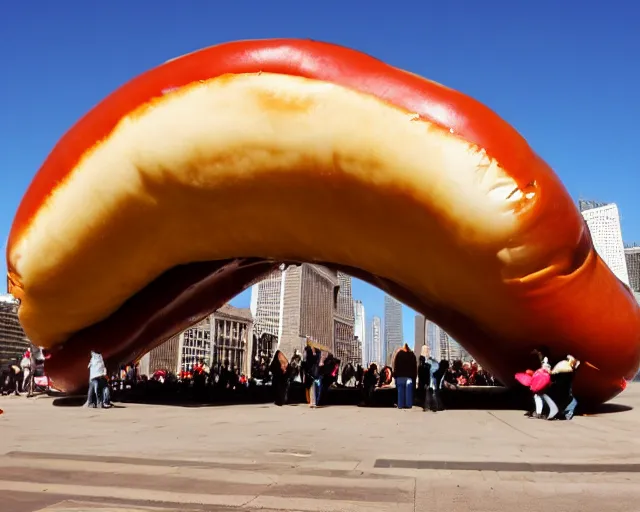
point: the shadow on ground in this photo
(606, 409)
(476, 398)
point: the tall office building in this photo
(359, 330)
(443, 346)
(310, 301)
(393, 336)
(606, 233)
(632, 257)
(346, 347)
(266, 304)
(450, 349)
(420, 330)
(432, 335)
(375, 341)
(585, 204)
(13, 340)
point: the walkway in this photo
(252, 457)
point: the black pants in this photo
(281, 388)
(367, 394)
(432, 400)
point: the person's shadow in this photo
(78, 401)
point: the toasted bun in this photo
(254, 153)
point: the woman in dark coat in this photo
(279, 368)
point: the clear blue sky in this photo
(566, 77)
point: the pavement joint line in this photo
(182, 484)
(220, 476)
(143, 461)
(128, 493)
(324, 471)
(529, 467)
(236, 502)
(504, 422)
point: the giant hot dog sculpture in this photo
(200, 176)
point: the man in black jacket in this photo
(405, 371)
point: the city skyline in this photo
(534, 71)
(371, 297)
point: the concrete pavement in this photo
(251, 457)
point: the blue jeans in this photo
(316, 389)
(106, 394)
(404, 386)
(99, 392)
(93, 398)
(570, 409)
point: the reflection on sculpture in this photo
(202, 175)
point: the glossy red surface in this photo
(570, 304)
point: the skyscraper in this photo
(359, 329)
(585, 204)
(309, 302)
(13, 340)
(420, 333)
(450, 349)
(442, 345)
(393, 336)
(266, 304)
(632, 257)
(346, 348)
(375, 341)
(432, 335)
(606, 233)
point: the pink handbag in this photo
(540, 380)
(524, 379)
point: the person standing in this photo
(26, 364)
(97, 379)
(279, 368)
(369, 381)
(405, 370)
(428, 382)
(561, 389)
(315, 376)
(540, 382)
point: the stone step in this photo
(149, 482)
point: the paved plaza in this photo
(261, 457)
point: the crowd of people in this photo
(416, 379)
(407, 374)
